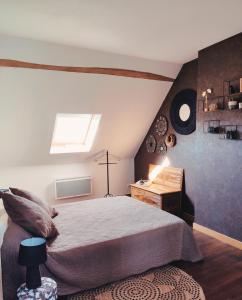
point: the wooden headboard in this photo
(168, 177)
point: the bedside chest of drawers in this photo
(164, 192)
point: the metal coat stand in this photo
(107, 163)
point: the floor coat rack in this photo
(107, 156)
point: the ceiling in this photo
(30, 100)
(163, 30)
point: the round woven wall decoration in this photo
(170, 140)
(161, 125)
(183, 112)
(161, 148)
(150, 144)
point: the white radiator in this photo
(73, 187)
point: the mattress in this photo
(101, 241)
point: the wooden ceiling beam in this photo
(9, 63)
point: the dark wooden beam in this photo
(92, 70)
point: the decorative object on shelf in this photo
(110, 160)
(151, 143)
(212, 103)
(212, 129)
(232, 104)
(161, 125)
(232, 96)
(205, 96)
(232, 90)
(143, 182)
(231, 132)
(32, 253)
(183, 111)
(161, 147)
(240, 105)
(213, 107)
(225, 132)
(234, 87)
(170, 140)
(211, 126)
(47, 291)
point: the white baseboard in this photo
(219, 236)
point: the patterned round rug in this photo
(165, 283)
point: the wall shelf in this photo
(211, 126)
(216, 100)
(225, 131)
(230, 132)
(232, 90)
(235, 95)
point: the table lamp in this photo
(32, 253)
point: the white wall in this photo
(30, 99)
(40, 179)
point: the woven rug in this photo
(165, 283)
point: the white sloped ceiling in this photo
(30, 99)
(158, 29)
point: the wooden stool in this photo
(47, 291)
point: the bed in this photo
(101, 241)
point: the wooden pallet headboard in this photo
(169, 177)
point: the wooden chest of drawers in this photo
(164, 192)
(170, 202)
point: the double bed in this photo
(101, 241)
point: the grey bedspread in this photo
(101, 241)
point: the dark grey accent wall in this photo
(213, 167)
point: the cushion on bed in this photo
(25, 194)
(29, 215)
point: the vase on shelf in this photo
(205, 96)
(232, 104)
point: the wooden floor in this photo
(220, 273)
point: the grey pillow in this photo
(29, 215)
(25, 194)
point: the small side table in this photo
(47, 291)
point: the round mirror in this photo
(184, 112)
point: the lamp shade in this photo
(32, 252)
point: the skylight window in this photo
(74, 133)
